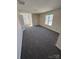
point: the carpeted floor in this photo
(39, 43)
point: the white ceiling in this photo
(38, 6)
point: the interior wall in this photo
(59, 42)
(35, 19)
(21, 21)
(19, 36)
(56, 25)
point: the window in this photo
(27, 18)
(49, 19)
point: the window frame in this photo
(48, 20)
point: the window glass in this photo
(49, 19)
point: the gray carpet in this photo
(39, 43)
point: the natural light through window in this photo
(49, 19)
(27, 18)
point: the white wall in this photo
(56, 26)
(19, 37)
(59, 42)
(21, 21)
(35, 19)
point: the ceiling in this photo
(37, 6)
